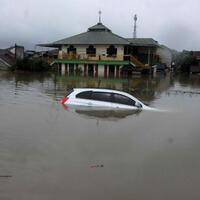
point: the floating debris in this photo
(5, 176)
(96, 166)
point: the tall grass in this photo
(26, 64)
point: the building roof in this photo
(99, 27)
(97, 34)
(7, 56)
(143, 42)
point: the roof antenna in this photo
(135, 27)
(100, 16)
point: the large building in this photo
(9, 56)
(145, 50)
(100, 52)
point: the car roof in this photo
(97, 89)
(102, 90)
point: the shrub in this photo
(35, 64)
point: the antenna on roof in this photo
(100, 16)
(135, 27)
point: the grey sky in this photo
(174, 23)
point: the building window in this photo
(71, 49)
(111, 51)
(91, 51)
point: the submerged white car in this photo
(102, 98)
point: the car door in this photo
(122, 101)
(101, 99)
(83, 98)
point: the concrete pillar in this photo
(117, 71)
(62, 69)
(105, 71)
(82, 69)
(59, 68)
(154, 70)
(74, 73)
(114, 70)
(85, 70)
(96, 70)
(72, 69)
(67, 68)
(101, 70)
(149, 56)
(76, 70)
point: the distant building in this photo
(49, 55)
(18, 51)
(145, 50)
(195, 67)
(196, 54)
(99, 52)
(7, 59)
(9, 56)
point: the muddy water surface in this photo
(50, 153)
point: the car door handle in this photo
(89, 104)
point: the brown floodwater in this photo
(48, 152)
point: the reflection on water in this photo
(107, 114)
(146, 88)
(46, 152)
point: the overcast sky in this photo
(174, 23)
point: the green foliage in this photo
(35, 64)
(184, 60)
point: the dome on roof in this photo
(99, 27)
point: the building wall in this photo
(18, 51)
(100, 52)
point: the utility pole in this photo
(135, 27)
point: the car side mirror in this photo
(138, 105)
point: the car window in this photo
(121, 99)
(84, 95)
(101, 96)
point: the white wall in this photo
(100, 70)
(100, 51)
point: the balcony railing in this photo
(73, 56)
